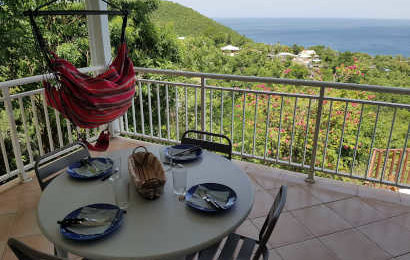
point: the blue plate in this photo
(231, 198)
(75, 165)
(115, 224)
(183, 159)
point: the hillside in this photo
(188, 22)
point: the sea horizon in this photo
(367, 35)
(313, 18)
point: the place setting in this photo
(210, 197)
(91, 168)
(183, 153)
(98, 220)
(91, 222)
(204, 197)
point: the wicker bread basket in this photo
(146, 173)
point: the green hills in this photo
(188, 22)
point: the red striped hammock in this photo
(92, 101)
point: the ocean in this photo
(372, 36)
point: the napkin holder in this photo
(146, 173)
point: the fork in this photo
(209, 199)
(212, 202)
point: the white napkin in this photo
(221, 197)
(184, 156)
(105, 216)
(92, 168)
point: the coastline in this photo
(371, 36)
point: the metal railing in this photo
(307, 125)
(312, 127)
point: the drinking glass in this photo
(167, 162)
(179, 177)
(120, 186)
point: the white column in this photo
(100, 47)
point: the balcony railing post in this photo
(203, 104)
(311, 175)
(14, 138)
(404, 153)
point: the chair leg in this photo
(58, 251)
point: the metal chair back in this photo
(204, 143)
(50, 165)
(271, 220)
(24, 252)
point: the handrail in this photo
(38, 78)
(296, 82)
(261, 92)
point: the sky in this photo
(378, 9)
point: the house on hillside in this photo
(230, 50)
(316, 62)
(282, 56)
(307, 53)
(308, 58)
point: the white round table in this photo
(164, 228)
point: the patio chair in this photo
(24, 252)
(50, 165)
(202, 142)
(249, 244)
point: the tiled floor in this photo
(326, 220)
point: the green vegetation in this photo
(188, 22)
(152, 38)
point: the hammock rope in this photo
(102, 143)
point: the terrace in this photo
(272, 123)
(326, 220)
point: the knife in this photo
(215, 201)
(91, 222)
(210, 200)
(190, 150)
(110, 174)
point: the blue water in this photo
(385, 37)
